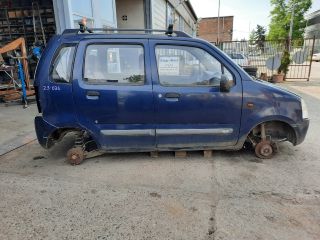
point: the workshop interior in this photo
(25, 28)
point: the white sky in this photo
(247, 13)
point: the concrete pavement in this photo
(232, 195)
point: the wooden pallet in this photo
(183, 154)
(13, 95)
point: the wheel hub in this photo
(264, 149)
(75, 156)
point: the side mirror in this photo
(225, 84)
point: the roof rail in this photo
(168, 32)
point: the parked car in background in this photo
(240, 59)
(316, 57)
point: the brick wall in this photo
(208, 29)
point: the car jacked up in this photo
(147, 91)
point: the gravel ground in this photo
(232, 195)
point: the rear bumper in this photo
(301, 131)
(43, 131)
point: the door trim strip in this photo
(163, 132)
(188, 131)
(129, 132)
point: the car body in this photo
(152, 92)
(316, 57)
(239, 58)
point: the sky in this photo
(247, 13)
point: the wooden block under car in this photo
(207, 153)
(180, 154)
(154, 154)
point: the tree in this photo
(257, 37)
(281, 16)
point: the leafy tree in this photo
(281, 16)
(258, 36)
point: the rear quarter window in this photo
(62, 64)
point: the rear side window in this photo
(62, 64)
(114, 64)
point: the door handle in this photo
(93, 95)
(172, 97)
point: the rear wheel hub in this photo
(264, 150)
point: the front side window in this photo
(114, 64)
(189, 66)
(62, 65)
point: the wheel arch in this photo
(57, 135)
(279, 129)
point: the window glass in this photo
(114, 64)
(181, 23)
(108, 10)
(62, 65)
(236, 56)
(170, 14)
(78, 18)
(82, 7)
(189, 66)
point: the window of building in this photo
(188, 66)
(78, 18)
(114, 64)
(181, 23)
(105, 11)
(82, 9)
(170, 14)
(62, 66)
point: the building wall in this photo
(159, 8)
(190, 23)
(112, 13)
(181, 16)
(313, 25)
(313, 29)
(208, 29)
(133, 10)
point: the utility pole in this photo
(218, 38)
(291, 26)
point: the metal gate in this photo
(266, 56)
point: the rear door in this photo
(113, 92)
(191, 111)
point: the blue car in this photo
(157, 91)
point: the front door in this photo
(191, 111)
(112, 91)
